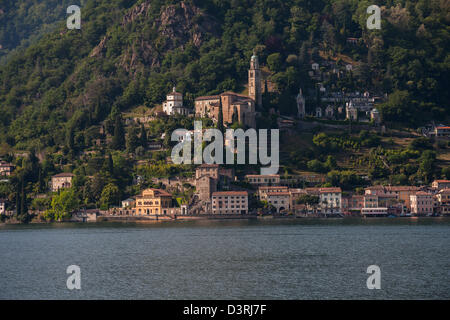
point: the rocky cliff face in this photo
(176, 26)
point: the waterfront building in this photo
(210, 178)
(421, 203)
(205, 187)
(330, 200)
(370, 201)
(443, 209)
(174, 104)
(264, 190)
(374, 212)
(295, 195)
(128, 203)
(279, 200)
(153, 202)
(61, 181)
(356, 203)
(441, 184)
(443, 196)
(230, 202)
(391, 194)
(263, 180)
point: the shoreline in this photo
(179, 219)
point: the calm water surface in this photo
(306, 259)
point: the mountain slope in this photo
(130, 53)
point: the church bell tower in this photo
(254, 81)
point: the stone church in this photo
(235, 107)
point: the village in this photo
(220, 193)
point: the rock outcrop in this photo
(176, 26)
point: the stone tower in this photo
(254, 81)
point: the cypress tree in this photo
(23, 199)
(220, 125)
(143, 137)
(110, 164)
(18, 200)
(118, 141)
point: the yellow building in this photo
(153, 202)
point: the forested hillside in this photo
(58, 86)
(131, 52)
(24, 22)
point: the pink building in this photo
(421, 203)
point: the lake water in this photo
(304, 259)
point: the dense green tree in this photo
(110, 196)
(118, 140)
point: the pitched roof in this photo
(272, 187)
(205, 165)
(230, 193)
(328, 190)
(423, 193)
(207, 98)
(63, 175)
(278, 194)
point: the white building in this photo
(330, 199)
(174, 104)
(128, 203)
(351, 112)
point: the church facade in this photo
(235, 107)
(174, 104)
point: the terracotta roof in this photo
(205, 165)
(272, 187)
(64, 174)
(207, 98)
(393, 188)
(6, 164)
(327, 190)
(157, 192)
(230, 193)
(423, 193)
(278, 194)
